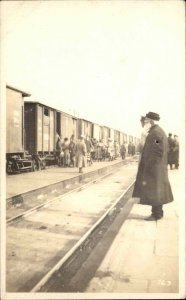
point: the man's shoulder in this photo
(158, 130)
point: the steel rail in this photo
(36, 208)
(61, 262)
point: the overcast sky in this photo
(105, 61)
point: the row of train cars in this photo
(32, 129)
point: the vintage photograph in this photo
(92, 149)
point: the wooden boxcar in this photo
(97, 131)
(66, 125)
(130, 138)
(40, 128)
(121, 138)
(15, 152)
(116, 136)
(105, 133)
(85, 127)
(125, 138)
(43, 124)
(15, 120)
(111, 134)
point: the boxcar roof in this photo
(40, 103)
(85, 120)
(25, 94)
(92, 122)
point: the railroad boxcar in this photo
(130, 138)
(43, 124)
(66, 125)
(39, 128)
(111, 136)
(40, 131)
(121, 138)
(105, 133)
(116, 136)
(15, 154)
(125, 138)
(85, 128)
(97, 132)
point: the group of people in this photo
(66, 151)
(131, 149)
(173, 151)
(72, 153)
(86, 150)
(102, 150)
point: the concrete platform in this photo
(51, 182)
(145, 256)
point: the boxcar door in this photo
(39, 128)
(14, 122)
(46, 129)
(52, 133)
(58, 123)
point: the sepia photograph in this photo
(92, 149)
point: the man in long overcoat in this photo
(81, 154)
(72, 148)
(170, 150)
(176, 152)
(130, 148)
(123, 150)
(152, 184)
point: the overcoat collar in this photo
(153, 127)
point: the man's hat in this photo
(153, 116)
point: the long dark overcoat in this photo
(152, 184)
(176, 152)
(170, 150)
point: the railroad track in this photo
(21, 204)
(41, 241)
(37, 207)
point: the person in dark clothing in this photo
(170, 160)
(130, 148)
(133, 149)
(176, 152)
(152, 184)
(58, 151)
(89, 147)
(123, 151)
(72, 149)
(81, 154)
(65, 147)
